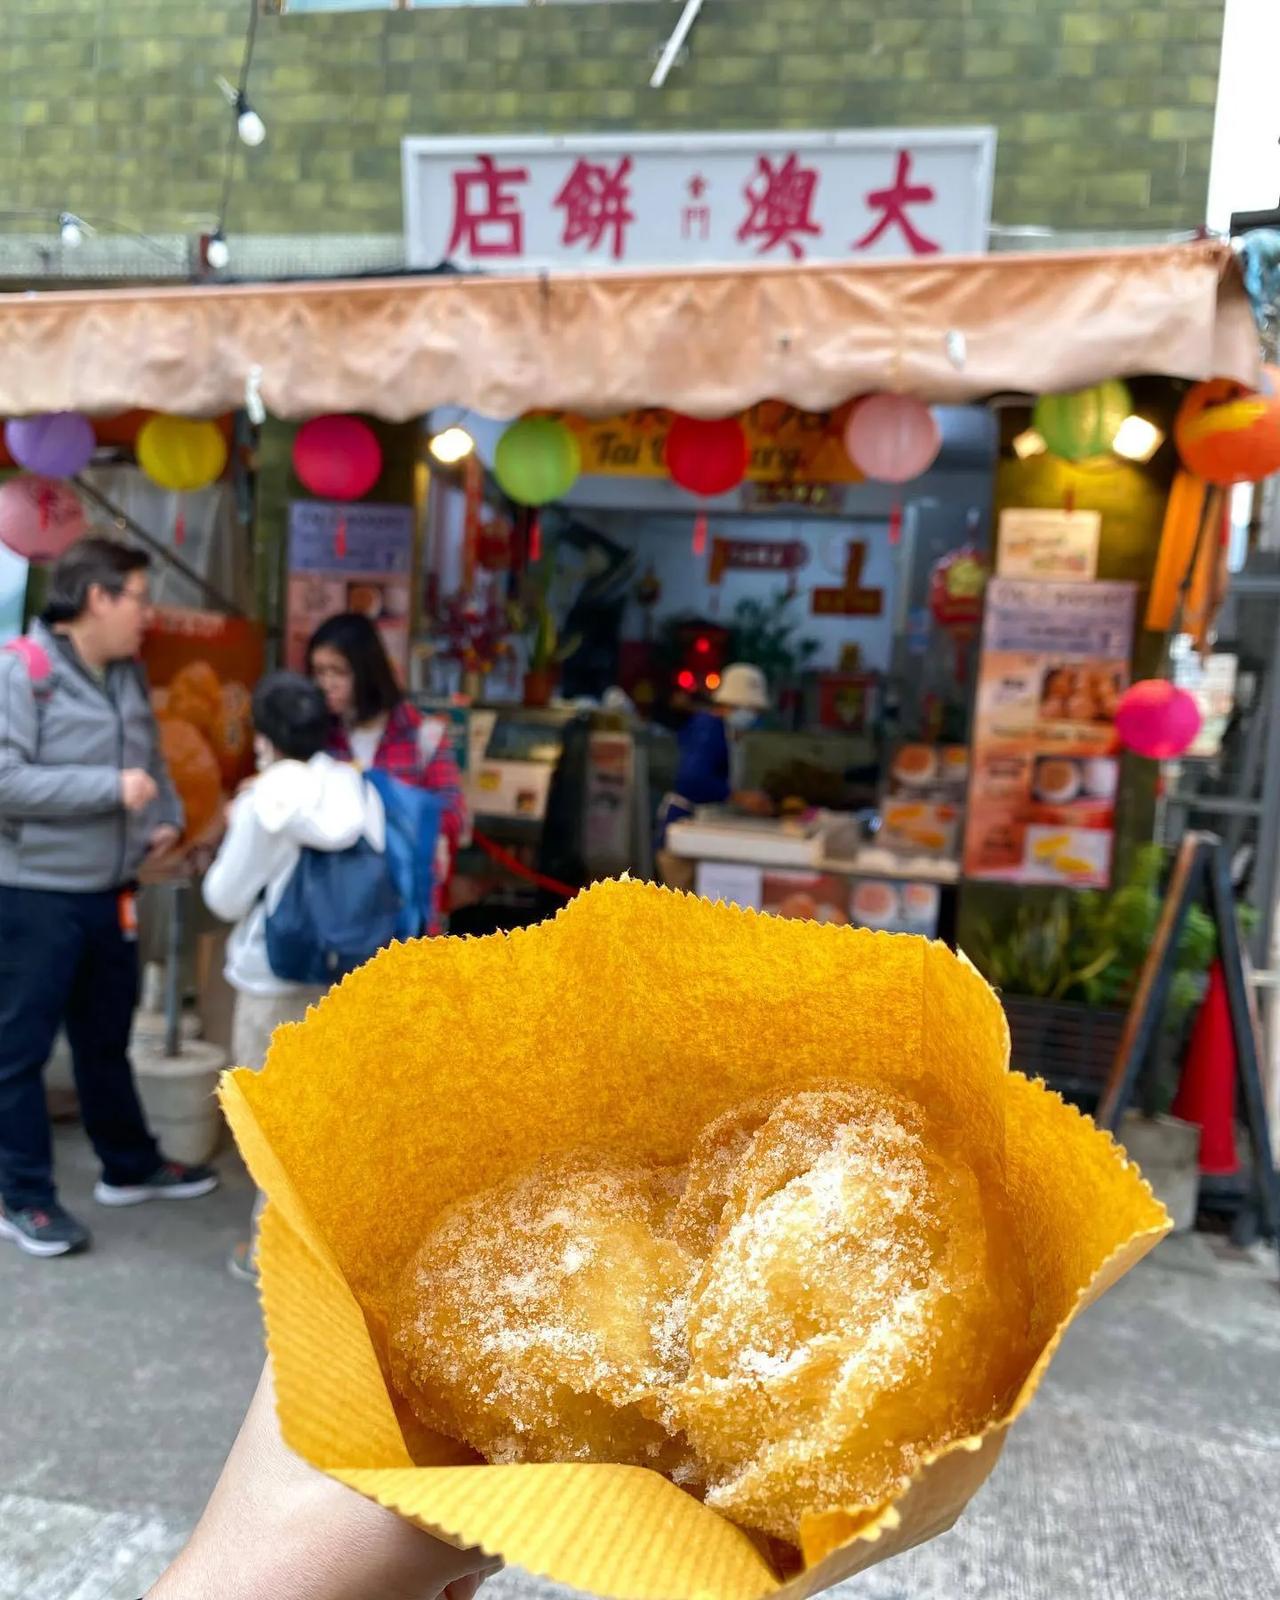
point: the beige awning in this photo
(708, 342)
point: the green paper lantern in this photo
(537, 460)
(1084, 423)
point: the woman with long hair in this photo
(372, 724)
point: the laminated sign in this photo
(449, 1076)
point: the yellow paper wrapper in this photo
(627, 1024)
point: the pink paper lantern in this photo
(34, 655)
(892, 438)
(337, 457)
(40, 518)
(1158, 720)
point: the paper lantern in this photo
(194, 769)
(180, 454)
(1084, 423)
(538, 460)
(40, 518)
(1228, 434)
(337, 457)
(892, 437)
(57, 444)
(707, 458)
(1158, 720)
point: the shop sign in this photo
(1044, 769)
(1038, 543)
(349, 558)
(645, 200)
(788, 447)
(756, 555)
(851, 599)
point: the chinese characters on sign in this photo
(669, 200)
(349, 558)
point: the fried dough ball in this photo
(544, 1320)
(852, 1308)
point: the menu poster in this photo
(349, 558)
(1055, 661)
(1045, 544)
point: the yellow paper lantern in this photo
(181, 454)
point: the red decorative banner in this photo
(851, 599)
(756, 555)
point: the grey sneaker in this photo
(44, 1230)
(172, 1181)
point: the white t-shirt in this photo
(365, 742)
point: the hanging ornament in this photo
(180, 527)
(340, 539)
(538, 460)
(40, 518)
(180, 454)
(337, 457)
(1157, 720)
(707, 458)
(32, 655)
(535, 540)
(1084, 423)
(700, 534)
(1228, 434)
(57, 444)
(895, 525)
(892, 438)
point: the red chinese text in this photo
(892, 205)
(596, 201)
(487, 220)
(780, 201)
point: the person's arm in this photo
(276, 1529)
(441, 776)
(28, 789)
(244, 864)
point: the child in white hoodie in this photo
(300, 798)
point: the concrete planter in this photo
(1168, 1152)
(177, 1094)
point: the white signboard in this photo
(1050, 545)
(647, 200)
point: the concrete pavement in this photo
(1148, 1468)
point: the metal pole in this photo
(157, 547)
(173, 970)
(675, 43)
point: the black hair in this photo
(356, 639)
(290, 710)
(88, 562)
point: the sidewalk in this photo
(1146, 1470)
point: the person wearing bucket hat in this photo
(711, 749)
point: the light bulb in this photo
(451, 445)
(1137, 439)
(70, 230)
(251, 127)
(216, 252)
(1029, 443)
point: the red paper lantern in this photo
(40, 518)
(1228, 434)
(34, 656)
(337, 457)
(707, 458)
(1158, 720)
(892, 438)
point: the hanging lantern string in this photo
(535, 539)
(340, 538)
(700, 534)
(233, 132)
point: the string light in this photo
(71, 230)
(249, 125)
(216, 251)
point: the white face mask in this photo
(741, 718)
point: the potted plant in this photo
(763, 634)
(1067, 970)
(546, 651)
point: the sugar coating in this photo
(826, 1292)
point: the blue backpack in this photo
(413, 831)
(338, 909)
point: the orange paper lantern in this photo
(194, 770)
(1228, 434)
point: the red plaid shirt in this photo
(400, 753)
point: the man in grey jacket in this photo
(85, 798)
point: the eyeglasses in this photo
(140, 597)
